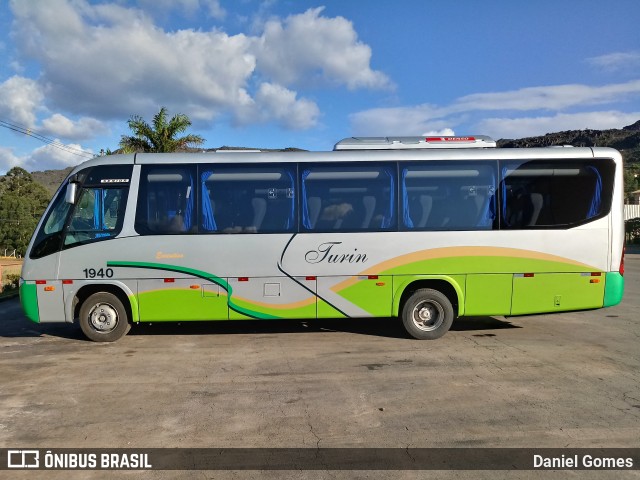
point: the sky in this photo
(305, 74)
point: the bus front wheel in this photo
(103, 318)
(427, 314)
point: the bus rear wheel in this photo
(103, 318)
(427, 314)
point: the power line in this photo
(49, 141)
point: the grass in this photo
(8, 267)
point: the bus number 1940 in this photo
(100, 273)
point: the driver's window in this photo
(97, 215)
(83, 218)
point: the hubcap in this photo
(103, 317)
(428, 315)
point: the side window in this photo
(166, 200)
(57, 216)
(348, 197)
(448, 195)
(98, 214)
(554, 194)
(247, 199)
(49, 238)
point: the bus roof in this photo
(358, 155)
(395, 143)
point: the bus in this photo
(420, 229)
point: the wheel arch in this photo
(120, 290)
(449, 285)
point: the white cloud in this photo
(107, 61)
(8, 160)
(312, 48)
(155, 6)
(20, 98)
(215, 9)
(534, 126)
(282, 105)
(61, 126)
(187, 8)
(131, 66)
(613, 62)
(401, 121)
(467, 110)
(555, 97)
(445, 132)
(49, 157)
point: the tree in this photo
(161, 136)
(630, 182)
(22, 202)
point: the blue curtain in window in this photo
(291, 219)
(405, 201)
(503, 185)
(99, 196)
(188, 213)
(306, 220)
(96, 209)
(208, 221)
(596, 201)
(488, 212)
(103, 198)
(387, 221)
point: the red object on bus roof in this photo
(450, 139)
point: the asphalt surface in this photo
(564, 380)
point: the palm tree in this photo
(161, 136)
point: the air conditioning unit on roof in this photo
(401, 143)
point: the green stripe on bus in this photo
(29, 301)
(200, 274)
(613, 289)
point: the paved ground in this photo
(565, 380)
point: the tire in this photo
(103, 318)
(427, 314)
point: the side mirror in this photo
(70, 195)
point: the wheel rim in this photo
(428, 315)
(103, 317)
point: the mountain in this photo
(51, 179)
(626, 140)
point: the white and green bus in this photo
(424, 229)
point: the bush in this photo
(11, 282)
